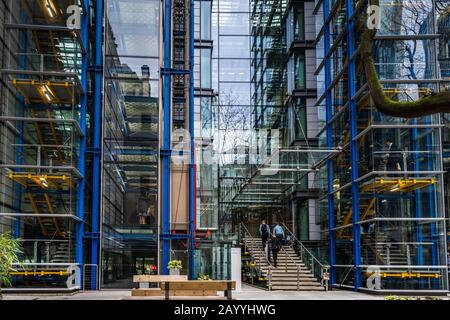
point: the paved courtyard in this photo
(247, 293)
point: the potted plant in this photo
(203, 277)
(174, 267)
(9, 250)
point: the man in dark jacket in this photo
(275, 246)
(264, 231)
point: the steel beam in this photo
(165, 223)
(353, 145)
(96, 182)
(79, 234)
(329, 115)
(73, 122)
(192, 182)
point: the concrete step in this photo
(293, 255)
(289, 259)
(290, 268)
(280, 253)
(276, 282)
(292, 280)
(283, 270)
(300, 288)
(279, 274)
(290, 274)
(282, 266)
(259, 250)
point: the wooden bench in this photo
(145, 290)
(180, 286)
(144, 280)
(199, 285)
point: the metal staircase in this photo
(388, 252)
(42, 203)
(291, 272)
(63, 253)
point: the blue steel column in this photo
(82, 147)
(20, 139)
(96, 190)
(328, 101)
(353, 145)
(192, 133)
(165, 240)
(418, 195)
(434, 235)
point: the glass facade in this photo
(130, 142)
(385, 186)
(43, 138)
(284, 128)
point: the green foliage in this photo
(203, 277)
(175, 264)
(397, 298)
(412, 298)
(9, 250)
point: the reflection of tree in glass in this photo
(233, 120)
(430, 103)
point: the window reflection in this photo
(130, 146)
(234, 6)
(234, 46)
(234, 23)
(135, 26)
(234, 70)
(205, 60)
(205, 20)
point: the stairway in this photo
(289, 268)
(389, 252)
(63, 253)
(42, 203)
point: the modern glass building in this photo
(383, 205)
(45, 133)
(134, 132)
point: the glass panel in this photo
(134, 27)
(234, 46)
(205, 61)
(302, 222)
(299, 21)
(234, 70)
(300, 119)
(234, 94)
(206, 117)
(405, 17)
(205, 20)
(39, 152)
(300, 70)
(405, 59)
(234, 6)
(130, 143)
(400, 152)
(402, 278)
(234, 24)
